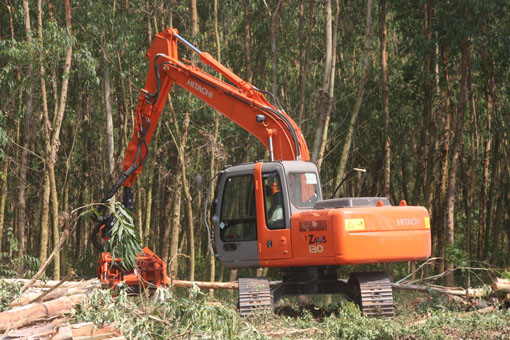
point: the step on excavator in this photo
(267, 213)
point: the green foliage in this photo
(124, 241)
(505, 275)
(455, 255)
(15, 264)
(8, 292)
(349, 324)
(165, 316)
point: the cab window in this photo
(303, 189)
(238, 214)
(273, 201)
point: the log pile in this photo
(40, 313)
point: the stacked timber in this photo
(39, 313)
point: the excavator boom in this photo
(241, 102)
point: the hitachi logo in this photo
(407, 221)
(199, 88)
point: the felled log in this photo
(35, 332)
(52, 283)
(87, 330)
(205, 285)
(501, 286)
(68, 288)
(471, 292)
(34, 312)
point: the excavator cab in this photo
(252, 209)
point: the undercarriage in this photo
(371, 291)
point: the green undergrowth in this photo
(8, 292)
(166, 314)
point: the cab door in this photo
(235, 219)
(273, 213)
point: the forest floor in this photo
(192, 314)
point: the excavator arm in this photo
(241, 102)
(238, 100)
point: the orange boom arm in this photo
(241, 102)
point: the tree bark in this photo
(469, 175)
(45, 216)
(212, 164)
(205, 285)
(359, 98)
(25, 315)
(27, 136)
(187, 195)
(323, 99)
(57, 124)
(304, 51)
(274, 61)
(486, 158)
(440, 209)
(194, 19)
(109, 116)
(456, 148)
(247, 38)
(3, 197)
(150, 184)
(329, 89)
(385, 98)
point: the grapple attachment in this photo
(149, 271)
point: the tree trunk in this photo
(323, 103)
(274, 27)
(57, 124)
(385, 98)
(247, 39)
(305, 39)
(194, 18)
(164, 225)
(212, 164)
(490, 199)
(45, 217)
(187, 195)
(109, 117)
(498, 218)
(150, 184)
(456, 148)
(175, 226)
(486, 162)
(330, 90)
(439, 211)
(148, 17)
(469, 179)
(27, 136)
(3, 197)
(359, 98)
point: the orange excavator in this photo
(268, 213)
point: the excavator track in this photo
(375, 294)
(254, 295)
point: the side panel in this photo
(346, 236)
(382, 234)
(312, 236)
